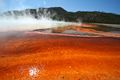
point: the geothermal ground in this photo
(37, 55)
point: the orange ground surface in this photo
(45, 57)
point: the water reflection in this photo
(33, 71)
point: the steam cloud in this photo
(26, 21)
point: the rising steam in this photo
(28, 22)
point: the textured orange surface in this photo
(45, 57)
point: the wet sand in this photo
(53, 57)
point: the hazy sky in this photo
(112, 6)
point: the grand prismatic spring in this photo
(36, 46)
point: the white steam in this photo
(24, 23)
(27, 21)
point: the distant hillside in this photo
(59, 13)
